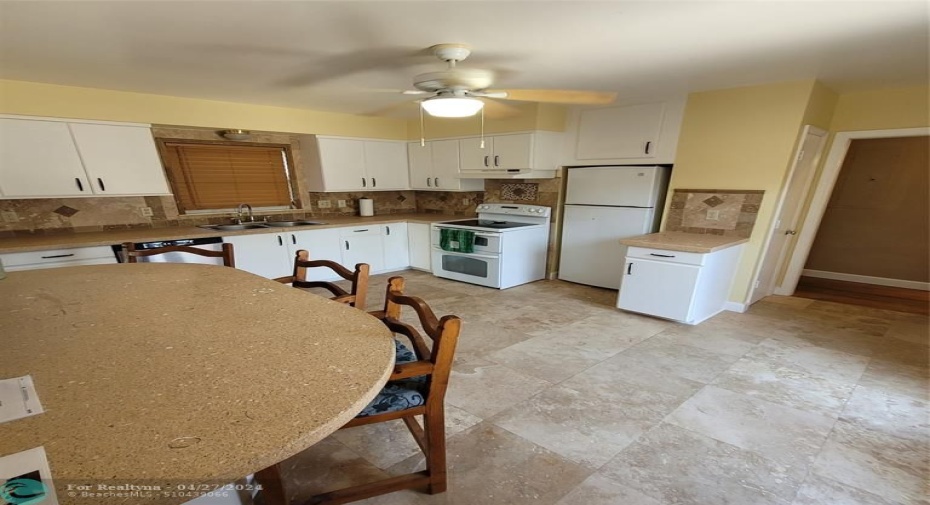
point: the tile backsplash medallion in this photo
(726, 212)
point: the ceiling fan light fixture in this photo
(452, 106)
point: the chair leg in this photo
(435, 426)
(272, 486)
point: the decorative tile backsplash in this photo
(520, 191)
(725, 212)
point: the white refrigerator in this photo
(602, 206)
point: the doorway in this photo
(866, 234)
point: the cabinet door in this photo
(446, 164)
(321, 244)
(343, 164)
(38, 159)
(120, 160)
(420, 161)
(396, 248)
(263, 254)
(658, 288)
(620, 132)
(386, 165)
(418, 245)
(472, 156)
(513, 151)
(363, 248)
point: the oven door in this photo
(485, 242)
(481, 269)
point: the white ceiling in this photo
(353, 56)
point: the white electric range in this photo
(509, 246)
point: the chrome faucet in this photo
(239, 213)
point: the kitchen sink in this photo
(234, 227)
(298, 222)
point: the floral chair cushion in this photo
(401, 394)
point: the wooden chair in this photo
(358, 278)
(416, 388)
(133, 254)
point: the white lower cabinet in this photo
(264, 254)
(363, 244)
(71, 257)
(396, 248)
(682, 286)
(418, 245)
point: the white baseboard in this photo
(865, 279)
(735, 306)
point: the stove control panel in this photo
(514, 209)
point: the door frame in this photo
(779, 207)
(822, 192)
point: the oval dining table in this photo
(179, 376)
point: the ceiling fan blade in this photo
(414, 92)
(568, 96)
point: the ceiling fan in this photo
(457, 91)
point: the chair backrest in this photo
(133, 254)
(444, 332)
(359, 279)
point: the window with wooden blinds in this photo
(212, 177)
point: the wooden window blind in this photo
(207, 177)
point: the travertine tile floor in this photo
(556, 397)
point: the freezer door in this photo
(591, 249)
(630, 186)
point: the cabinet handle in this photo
(648, 145)
(347, 245)
(629, 268)
(387, 229)
(79, 185)
(57, 256)
(485, 161)
(280, 242)
(662, 255)
(791, 232)
(364, 183)
(359, 231)
(428, 183)
(293, 239)
(374, 182)
(497, 160)
(100, 182)
(436, 182)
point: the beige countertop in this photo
(685, 242)
(166, 374)
(98, 238)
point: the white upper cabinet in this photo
(120, 160)
(627, 135)
(344, 164)
(518, 155)
(57, 158)
(435, 167)
(386, 165)
(38, 159)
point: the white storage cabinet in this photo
(436, 167)
(682, 286)
(41, 158)
(348, 164)
(396, 247)
(517, 155)
(271, 255)
(418, 244)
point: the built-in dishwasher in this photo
(209, 243)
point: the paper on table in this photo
(18, 399)
(25, 478)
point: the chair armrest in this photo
(414, 369)
(285, 280)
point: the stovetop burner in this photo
(488, 223)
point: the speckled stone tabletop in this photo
(685, 242)
(164, 374)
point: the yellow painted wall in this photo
(743, 138)
(882, 109)
(37, 99)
